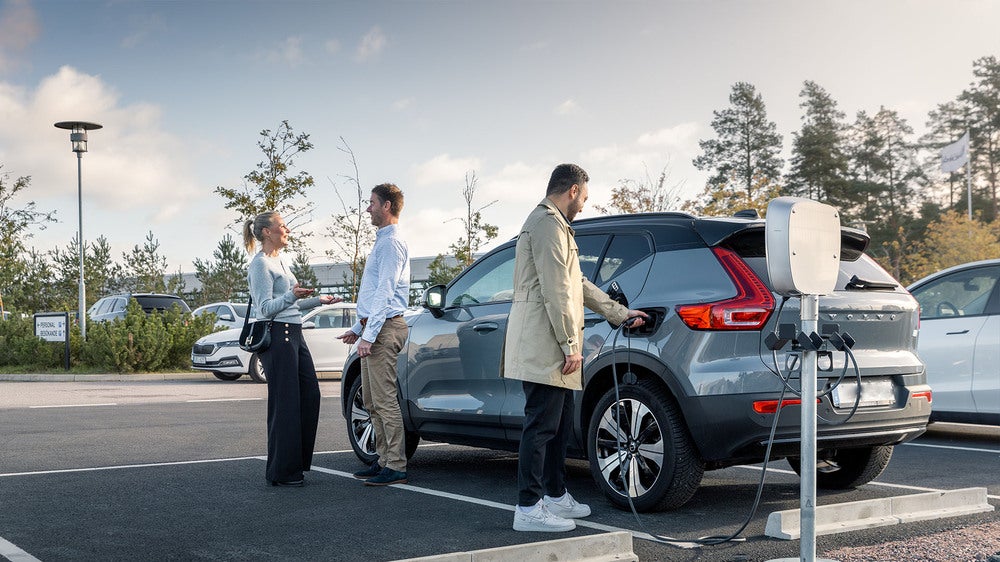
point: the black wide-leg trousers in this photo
(292, 403)
(541, 457)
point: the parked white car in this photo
(227, 314)
(220, 352)
(959, 341)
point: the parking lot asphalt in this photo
(176, 472)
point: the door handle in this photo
(957, 333)
(485, 327)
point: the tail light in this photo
(924, 394)
(771, 406)
(748, 310)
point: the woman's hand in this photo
(329, 299)
(301, 292)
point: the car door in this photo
(952, 320)
(604, 257)
(452, 383)
(320, 332)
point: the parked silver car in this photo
(227, 314)
(960, 341)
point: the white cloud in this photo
(18, 29)
(134, 173)
(401, 104)
(332, 46)
(444, 169)
(372, 44)
(568, 107)
(287, 52)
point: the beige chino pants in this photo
(380, 393)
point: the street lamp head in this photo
(78, 136)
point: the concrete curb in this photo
(865, 514)
(603, 547)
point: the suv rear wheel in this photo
(639, 447)
(854, 467)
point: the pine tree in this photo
(983, 99)
(224, 278)
(744, 156)
(819, 164)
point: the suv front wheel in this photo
(639, 447)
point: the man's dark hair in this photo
(564, 177)
(389, 192)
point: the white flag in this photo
(955, 155)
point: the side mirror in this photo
(433, 300)
(227, 317)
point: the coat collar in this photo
(548, 204)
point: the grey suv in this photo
(113, 306)
(698, 386)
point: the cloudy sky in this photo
(425, 92)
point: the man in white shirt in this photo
(381, 332)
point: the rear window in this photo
(151, 303)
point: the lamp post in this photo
(78, 139)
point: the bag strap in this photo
(246, 319)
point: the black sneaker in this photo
(386, 477)
(369, 472)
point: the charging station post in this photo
(803, 260)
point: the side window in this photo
(625, 251)
(591, 246)
(490, 280)
(963, 293)
(102, 306)
(119, 305)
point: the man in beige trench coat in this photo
(544, 345)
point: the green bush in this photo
(136, 342)
(19, 347)
(184, 330)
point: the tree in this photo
(983, 100)
(352, 232)
(101, 275)
(224, 277)
(642, 196)
(744, 154)
(951, 240)
(15, 229)
(145, 267)
(476, 233)
(302, 271)
(819, 163)
(271, 186)
(884, 170)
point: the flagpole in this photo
(968, 176)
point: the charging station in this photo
(803, 260)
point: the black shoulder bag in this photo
(255, 336)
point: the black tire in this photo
(661, 481)
(226, 376)
(257, 370)
(360, 432)
(855, 467)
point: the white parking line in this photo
(224, 400)
(73, 405)
(124, 466)
(883, 484)
(11, 552)
(971, 449)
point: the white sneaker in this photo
(540, 519)
(566, 507)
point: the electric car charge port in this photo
(650, 325)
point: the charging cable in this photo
(625, 460)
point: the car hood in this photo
(225, 335)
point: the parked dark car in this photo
(112, 307)
(696, 386)
(960, 340)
